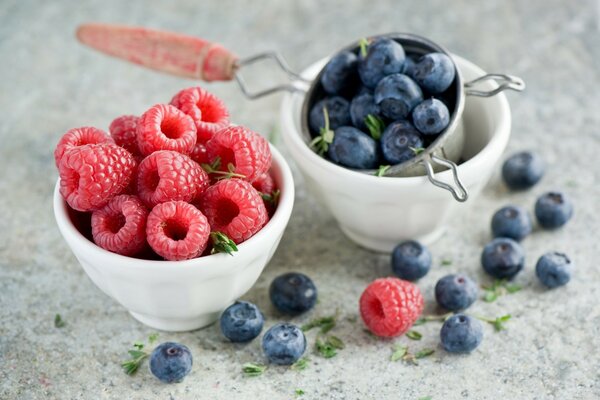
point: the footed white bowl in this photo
(181, 295)
(379, 212)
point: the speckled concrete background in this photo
(50, 83)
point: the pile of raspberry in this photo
(177, 182)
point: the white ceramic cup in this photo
(379, 212)
(181, 295)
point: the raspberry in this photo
(79, 137)
(91, 175)
(177, 230)
(167, 175)
(164, 127)
(207, 111)
(124, 131)
(246, 150)
(199, 154)
(120, 226)
(264, 183)
(390, 306)
(235, 208)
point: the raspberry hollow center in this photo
(228, 210)
(152, 180)
(175, 229)
(115, 223)
(209, 112)
(377, 308)
(170, 127)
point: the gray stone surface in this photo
(50, 83)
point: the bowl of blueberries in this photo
(386, 123)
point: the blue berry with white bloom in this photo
(241, 322)
(523, 170)
(434, 72)
(456, 292)
(338, 112)
(411, 260)
(360, 107)
(503, 258)
(399, 142)
(461, 334)
(397, 95)
(293, 293)
(384, 57)
(340, 73)
(284, 344)
(553, 210)
(554, 269)
(353, 148)
(431, 117)
(171, 362)
(512, 222)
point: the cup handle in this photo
(459, 192)
(504, 81)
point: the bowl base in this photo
(386, 245)
(176, 324)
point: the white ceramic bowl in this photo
(181, 295)
(379, 212)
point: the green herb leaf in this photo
(252, 370)
(301, 364)
(417, 150)
(429, 318)
(299, 392)
(271, 198)
(498, 288)
(424, 353)
(137, 357)
(414, 335)
(58, 321)
(446, 262)
(382, 170)
(325, 349)
(490, 296)
(497, 323)
(513, 288)
(321, 143)
(324, 323)
(214, 168)
(375, 125)
(222, 243)
(399, 352)
(363, 44)
(335, 341)
(152, 338)
(425, 398)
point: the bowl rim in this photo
(277, 223)
(295, 142)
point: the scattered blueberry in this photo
(241, 322)
(340, 73)
(397, 95)
(512, 222)
(411, 260)
(456, 292)
(171, 362)
(284, 344)
(553, 210)
(353, 148)
(360, 107)
(461, 334)
(502, 258)
(338, 110)
(434, 72)
(398, 141)
(384, 57)
(523, 170)
(293, 293)
(431, 117)
(554, 269)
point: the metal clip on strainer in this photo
(196, 58)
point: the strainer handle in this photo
(505, 82)
(459, 192)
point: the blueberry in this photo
(340, 73)
(360, 107)
(411, 260)
(502, 258)
(397, 95)
(364, 90)
(431, 117)
(241, 322)
(553, 210)
(434, 72)
(461, 334)
(293, 293)
(338, 110)
(353, 148)
(284, 344)
(554, 269)
(523, 170)
(456, 292)
(171, 362)
(398, 141)
(384, 57)
(511, 222)
(409, 64)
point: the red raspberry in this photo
(390, 306)
(79, 137)
(264, 183)
(207, 111)
(164, 127)
(120, 226)
(167, 175)
(124, 131)
(234, 208)
(91, 175)
(199, 154)
(177, 230)
(247, 151)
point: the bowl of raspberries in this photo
(174, 213)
